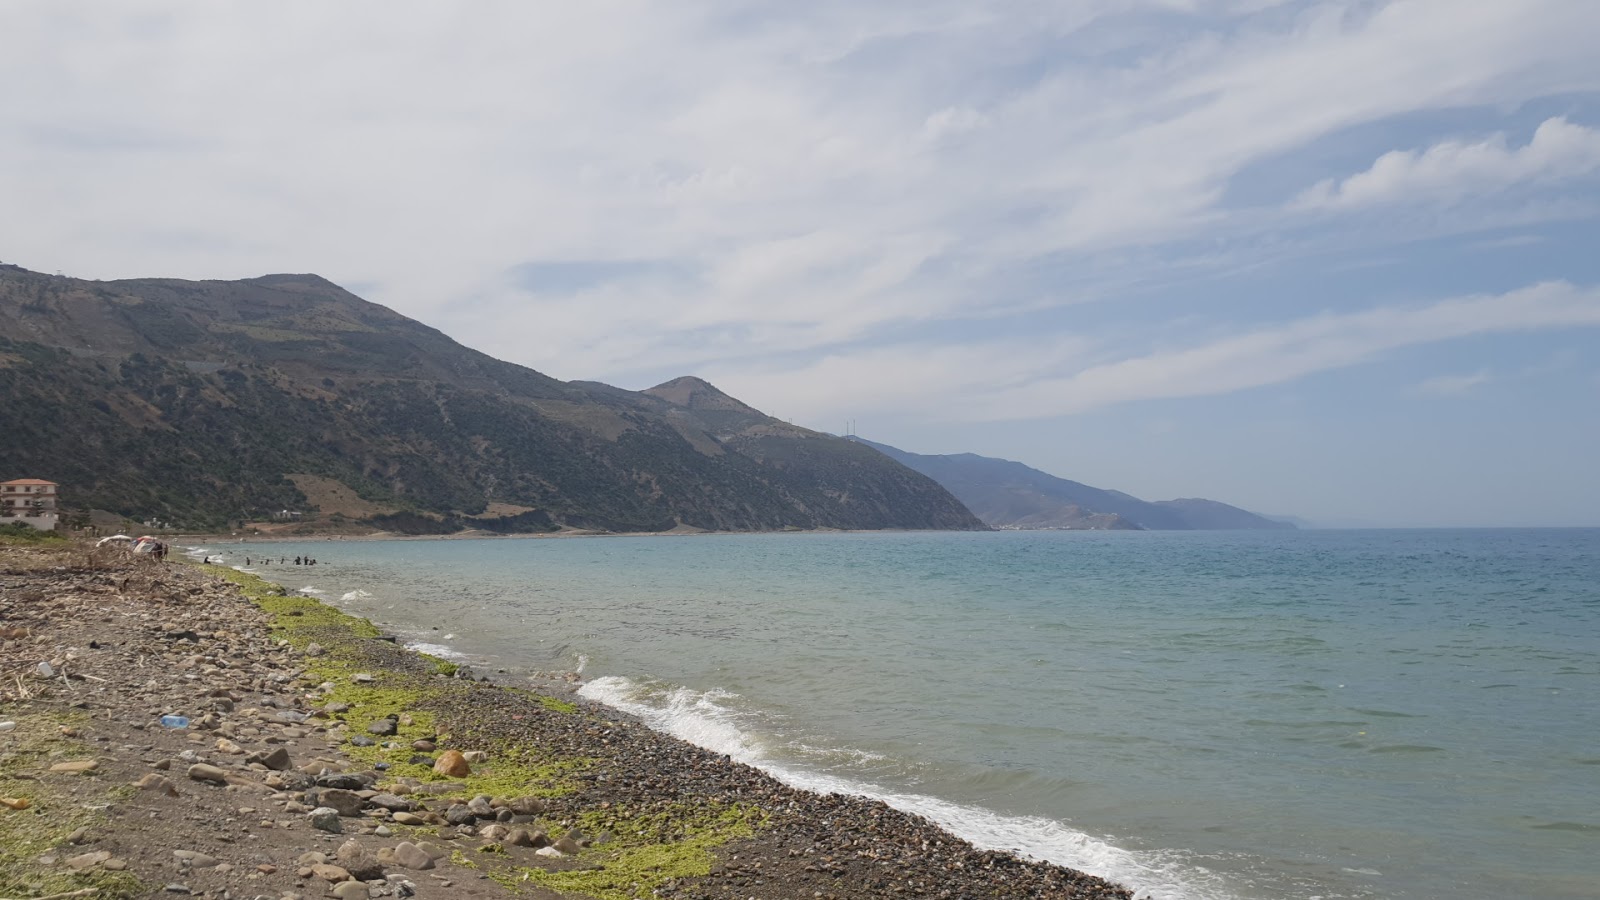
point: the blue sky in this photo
(1334, 259)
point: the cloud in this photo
(1453, 170)
(1002, 381)
(1453, 385)
(598, 189)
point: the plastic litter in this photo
(46, 670)
(175, 721)
(7, 726)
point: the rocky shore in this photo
(177, 730)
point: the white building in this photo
(30, 501)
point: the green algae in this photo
(54, 813)
(648, 850)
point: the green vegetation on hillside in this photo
(193, 402)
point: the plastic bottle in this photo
(175, 721)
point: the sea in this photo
(1196, 715)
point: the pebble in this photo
(195, 859)
(88, 860)
(405, 818)
(348, 803)
(276, 759)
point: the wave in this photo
(703, 719)
(439, 650)
(355, 596)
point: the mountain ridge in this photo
(1008, 494)
(210, 403)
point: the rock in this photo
(177, 889)
(325, 818)
(330, 872)
(314, 649)
(412, 857)
(389, 802)
(77, 767)
(522, 837)
(350, 890)
(362, 678)
(425, 746)
(361, 740)
(194, 859)
(567, 845)
(494, 834)
(476, 756)
(211, 774)
(347, 781)
(348, 803)
(358, 861)
(115, 865)
(458, 814)
(479, 806)
(383, 727)
(548, 851)
(229, 747)
(434, 851)
(276, 759)
(88, 860)
(405, 818)
(311, 858)
(158, 783)
(527, 806)
(451, 764)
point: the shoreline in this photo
(663, 817)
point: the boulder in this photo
(325, 818)
(276, 759)
(209, 774)
(348, 803)
(451, 764)
(358, 861)
(412, 857)
(330, 872)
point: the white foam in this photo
(701, 719)
(310, 590)
(439, 650)
(355, 596)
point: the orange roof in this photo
(27, 481)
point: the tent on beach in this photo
(118, 539)
(148, 544)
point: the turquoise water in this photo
(1395, 714)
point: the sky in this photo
(1336, 259)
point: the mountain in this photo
(209, 403)
(1007, 494)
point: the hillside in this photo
(209, 403)
(1007, 494)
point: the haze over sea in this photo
(1207, 715)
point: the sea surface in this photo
(1203, 715)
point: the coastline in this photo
(665, 818)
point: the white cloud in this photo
(1452, 170)
(1008, 380)
(814, 175)
(1452, 385)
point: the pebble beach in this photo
(306, 754)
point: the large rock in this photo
(527, 806)
(358, 861)
(480, 807)
(276, 759)
(459, 814)
(330, 872)
(390, 802)
(384, 727)
(412, 857)
(451, 764)
(325, 818)
(209, 774)
(348, 803)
